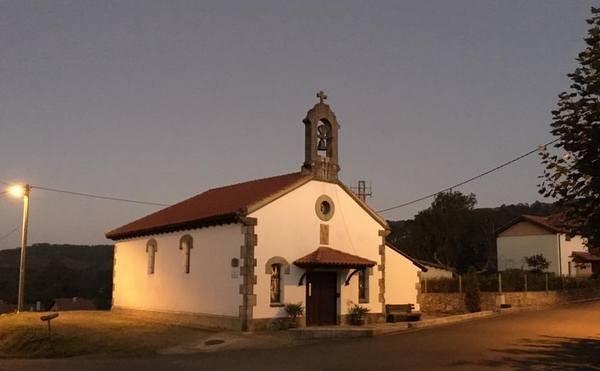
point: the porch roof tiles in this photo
(328, 257)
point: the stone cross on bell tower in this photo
(321, 141)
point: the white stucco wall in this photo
(575, 243)
(512, 251)
(209, 288)
(401, 279)
(434, 272)
(289, 227)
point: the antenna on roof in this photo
(362, 190)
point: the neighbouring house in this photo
(586, 263)
(435, 270)
(74, 303)
(529, 235)
(231, 257)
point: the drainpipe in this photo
(559, 256)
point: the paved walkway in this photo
(565, 338)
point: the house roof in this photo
(223, 205)
(553, 223)
(435, 265)
(416, 262)
(328, 257)
(585, 257)
(215, 206)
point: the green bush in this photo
(472, 293)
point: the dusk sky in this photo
(161, 100)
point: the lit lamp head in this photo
(17, 191)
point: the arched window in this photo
(186, 243)
(276, 284)
(324, 139)
(363, 286)
(151, 248)
(276, 267)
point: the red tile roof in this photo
(554, 223)
(326, 256)
(585, 257)
(215, 206)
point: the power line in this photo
(470, 179)
(90, 195)
(8, 234)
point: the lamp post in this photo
(19, 191)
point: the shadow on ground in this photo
(546, 352)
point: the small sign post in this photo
(47, 318)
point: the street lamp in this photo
(22, 191)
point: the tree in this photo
(573, 176)
(537, 263)
(448, 233)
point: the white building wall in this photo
(211, 287)
(512, 251)
(289, 227)
(434, 272)
(401, 279)
(575, 243)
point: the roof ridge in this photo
(253, 180)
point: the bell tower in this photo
(321, 141)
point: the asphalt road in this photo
(563, 338)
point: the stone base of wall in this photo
(454, 302)
(280, 323)
(261, 324)
(369, 318)
(193, 320)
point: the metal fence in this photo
(510, 281)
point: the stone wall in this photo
(454, 302)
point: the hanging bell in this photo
(322, 146)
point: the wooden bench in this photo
(401, 312)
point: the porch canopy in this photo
(326, 257)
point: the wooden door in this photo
(321, 298)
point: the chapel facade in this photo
(233, 256)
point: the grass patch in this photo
(24, 335)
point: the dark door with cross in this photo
(321, 298)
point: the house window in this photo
(151, 249)
(276, 284)
(363, 286)
(186, 243)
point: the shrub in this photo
(294, 310)
(472, 294)
(537, 263)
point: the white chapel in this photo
(233, 256)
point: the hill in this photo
(55, 271)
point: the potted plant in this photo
(357, 314)
(294, 310)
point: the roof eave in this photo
(413, 260)
(523, 218)
(192, 224)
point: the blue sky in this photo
(160, 100)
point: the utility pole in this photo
(20, 303)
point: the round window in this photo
(324, 207)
